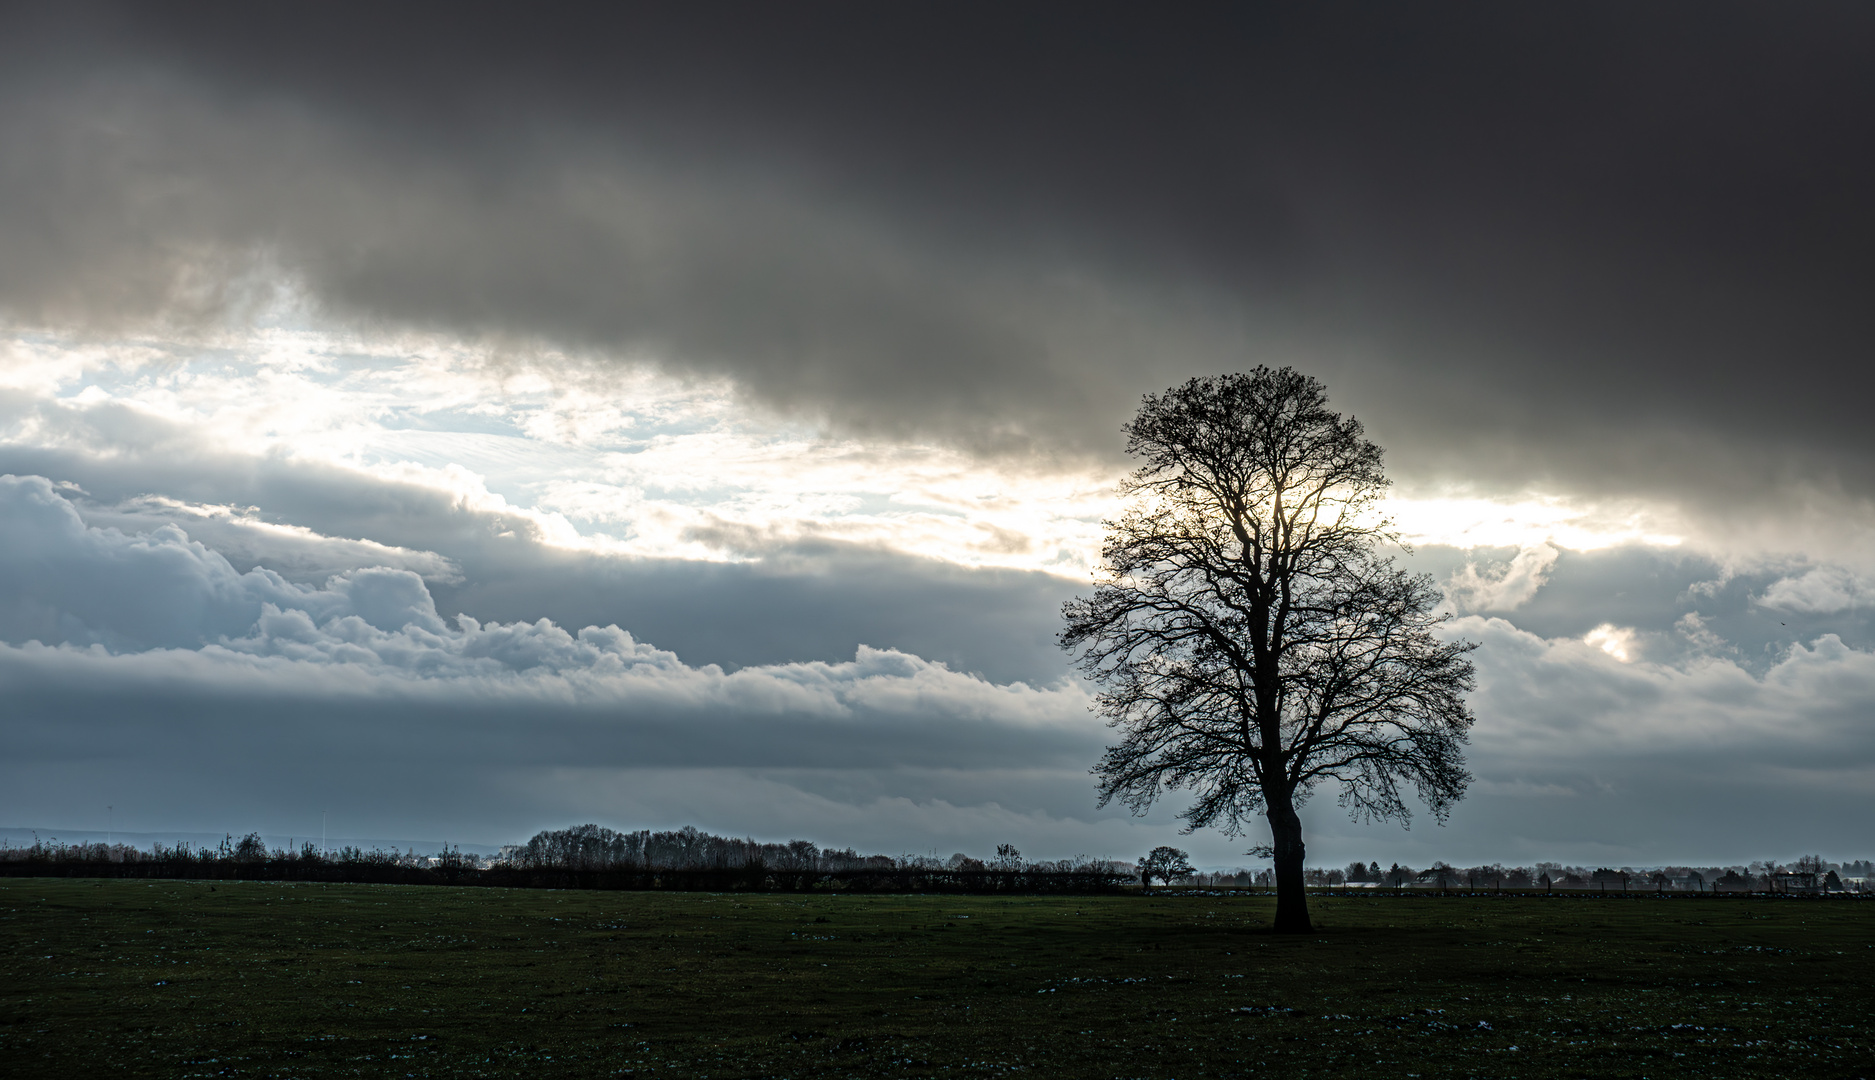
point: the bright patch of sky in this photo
(637, 463)
(1528, 521)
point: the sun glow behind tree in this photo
(1250, 641)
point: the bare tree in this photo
(1250, 640)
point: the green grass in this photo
(180, 979)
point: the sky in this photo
(461, 420)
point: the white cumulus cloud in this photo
(1823, 590)
(1503, 588)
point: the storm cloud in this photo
(1584, 248)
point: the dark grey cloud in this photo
(1679, 808)
(799, 603)
(1594, 247)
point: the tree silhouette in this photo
(1168, 864)
(1250, 640)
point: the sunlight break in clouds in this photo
(638, 464)
(632, 464)
(1528, 522)
(1616, 641)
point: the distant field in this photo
(246, 979)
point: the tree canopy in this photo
(1251, 638)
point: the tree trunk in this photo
(1292, 900)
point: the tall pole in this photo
(323, 851)
(108, 812)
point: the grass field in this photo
(166, 979)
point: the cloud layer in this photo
(152, 653)
(147, 664)
(159, 606)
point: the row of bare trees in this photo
(594, 847)
(247, 850)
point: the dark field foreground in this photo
(249, 979)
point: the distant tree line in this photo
(1808, 874)
(590, 856)
(691, 858)
(587, 856)
(592, 847)
(245, 859)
